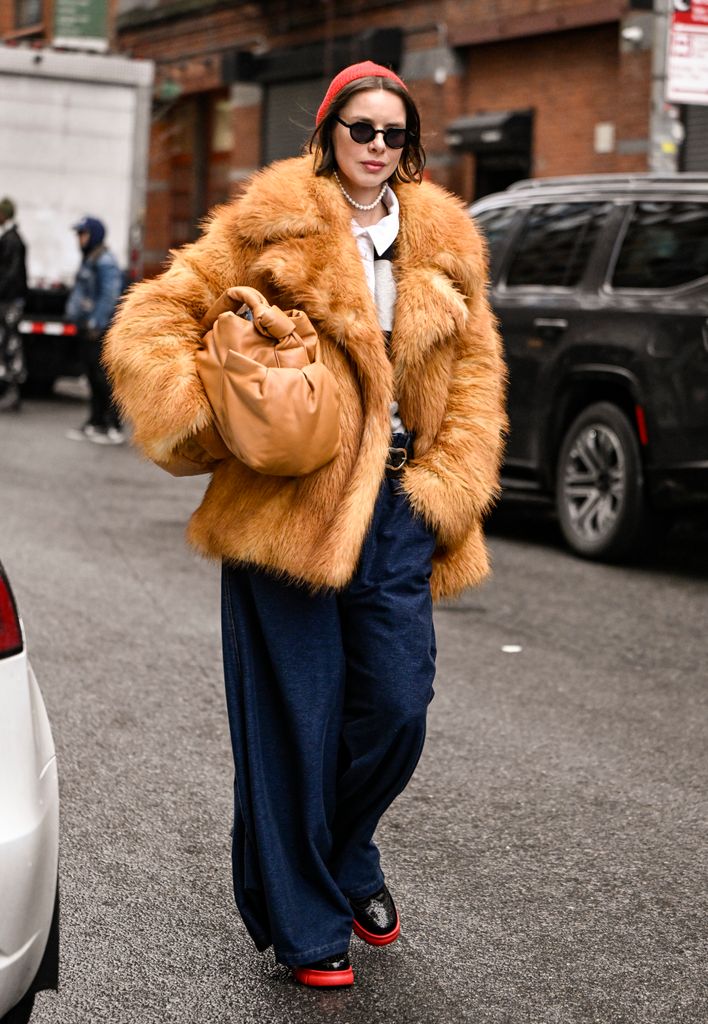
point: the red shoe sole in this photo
(323, 979)
(377, 940)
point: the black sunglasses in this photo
(363, 132)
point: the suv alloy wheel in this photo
(599, 484)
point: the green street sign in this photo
(81, 23)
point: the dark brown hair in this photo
(412, 162)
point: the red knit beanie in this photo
(366, 69)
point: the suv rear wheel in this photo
(599, 484)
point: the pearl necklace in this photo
(361, 206)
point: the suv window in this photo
(495, 225)
(556, 243)
(666, 245)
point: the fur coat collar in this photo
(303, 226)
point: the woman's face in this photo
(363, 167)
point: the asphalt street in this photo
(548, 858)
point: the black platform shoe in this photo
(376, 919)
(333, 971)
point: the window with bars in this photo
(27, 13)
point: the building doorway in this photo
(501, 144)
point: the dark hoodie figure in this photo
(13, 290)
(91, 305)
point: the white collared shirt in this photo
(377, 237)
(372, 242)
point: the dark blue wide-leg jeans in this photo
(327, 697)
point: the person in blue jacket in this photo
(91, 305)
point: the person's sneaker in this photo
(376, 919)
(112, 435)
(10, 400)
(332, 972)
(85, 433)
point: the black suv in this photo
(601, 288)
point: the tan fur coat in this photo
(290, 236)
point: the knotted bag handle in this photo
(270, 321)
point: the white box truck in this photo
(74, 135)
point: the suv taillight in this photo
(10, 628)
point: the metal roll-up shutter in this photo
(695, 147)
(289, 111)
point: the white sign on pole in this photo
(687, 64)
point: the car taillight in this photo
(10, 629)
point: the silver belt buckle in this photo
(400, 457)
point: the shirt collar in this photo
(383, 234)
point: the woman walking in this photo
(328, 579)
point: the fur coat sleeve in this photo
(450, 371)
(149, 351)
(454, 483)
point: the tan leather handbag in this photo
(276, 405)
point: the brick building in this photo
(507, 88)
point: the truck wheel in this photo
(600, 484)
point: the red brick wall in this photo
(633, 109)
(506, 19)
(247, 130)
(572, 81)
(158, 231)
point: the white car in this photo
(29, 825)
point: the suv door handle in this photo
(550, 324)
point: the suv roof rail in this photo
(598, 180)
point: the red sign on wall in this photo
(687, 63)
(690, 12)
